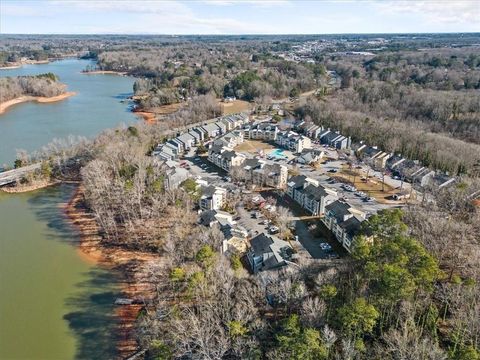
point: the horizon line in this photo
(252, 34)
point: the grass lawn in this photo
(253, 146)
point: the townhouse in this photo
(376, 157)
(334, 139)
(211, 130)
(174, 175)
(174, 147)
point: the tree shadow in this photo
(46, 205)
(92, 319)
(122, 96)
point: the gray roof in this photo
(297, 181)
(229, 154)
(252, 163)
(216, 148)
(315, 192)
(186, 137)
(207, 217)
(211, 127)
(339, 209)
(263, 244)
(351, 226)
(208, 191)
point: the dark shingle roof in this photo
(351, 226)
(299, 180)
(315, 192)
(339, 209)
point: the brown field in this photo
(166, 109)
(235, 107)
(253, 146)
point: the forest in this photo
(46, 85)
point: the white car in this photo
(325, 246)
(273, 229)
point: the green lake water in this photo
(54, 304)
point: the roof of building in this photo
(186, 137)
(264, 244)
(339, 209)
(251, 163)
(210, 127)
(207, 217)
(351, 226)
(229, 154)
(315, 192)
(297, 181)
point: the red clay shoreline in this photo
(40, 99)
(130, 264)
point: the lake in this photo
(53, 303)
(96, 106)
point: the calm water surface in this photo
(53, 303)
(96, 107)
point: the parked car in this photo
(325, 246)
(332, 170)
(368, 199)
(273, 229)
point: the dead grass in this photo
(253, 146)
(166, 109)
(235, 107)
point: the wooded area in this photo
(46, 85)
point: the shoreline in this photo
(105, 72)
(16, 65)
(131, 265)
(21, 189)
(148, 117)
(4, 106)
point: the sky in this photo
(237, 16)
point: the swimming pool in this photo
(278, 154)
